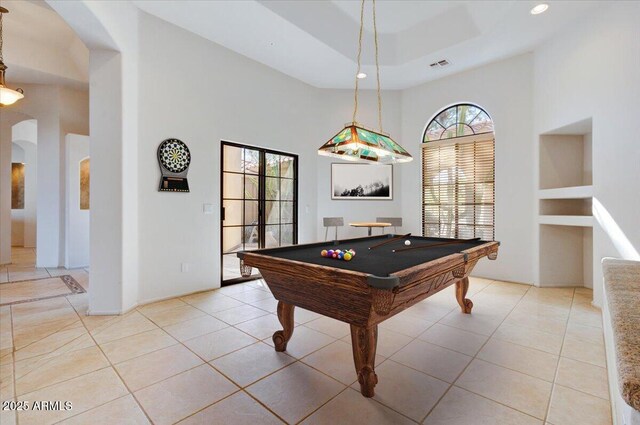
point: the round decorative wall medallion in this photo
(174, 159)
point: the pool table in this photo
(383, 279)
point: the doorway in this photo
(259, 198)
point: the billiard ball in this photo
(330, 253)
(323, 253)
(347, 256)
(407, 242)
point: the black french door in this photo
(259, 198)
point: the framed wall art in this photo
(361, 181)
(85, 183)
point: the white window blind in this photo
(458, 188)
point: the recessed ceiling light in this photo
(542, 7)
(361, 75)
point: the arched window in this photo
(458, 174)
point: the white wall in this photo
(591, 70)
(215, 95)
(504, 90)
(77, 220)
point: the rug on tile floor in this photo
(38, 289)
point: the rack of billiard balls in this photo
(338, 254)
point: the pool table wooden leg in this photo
(285, 315)
(364, 341)
(462, 286)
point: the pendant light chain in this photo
(1, 41)
(356, 142)
(355, 95)
(375, 38)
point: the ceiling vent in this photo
(439, 64)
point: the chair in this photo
(395, 222)
(332, 222)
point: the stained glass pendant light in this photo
(355, 142)
(7, 95)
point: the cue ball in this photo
(407, 242)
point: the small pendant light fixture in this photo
(7, 96)
(356, 142)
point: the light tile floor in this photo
(524, 356)
(23, 267)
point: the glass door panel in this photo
(233, 212)
(272, 212)
(286, 212)
(272, 164)
(232, 159)
(251, 164)
(286, 189)
(259, 204)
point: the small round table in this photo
(369, 224)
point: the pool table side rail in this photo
(349, 296)
(419, 283)
(337, 293)
(468, 257)
(294, 268)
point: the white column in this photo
(111, 36)
(49, 213)
(30, 194)
(105, 148)
(5, 191)
(76, 220)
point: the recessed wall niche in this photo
(85, 177)
(565, 206)
(17, 186)
(565, 157)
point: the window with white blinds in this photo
(458, 185)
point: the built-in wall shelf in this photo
(580, 206)
(574, 192)
(566, 220)
(565, 196)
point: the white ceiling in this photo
(316, 40)
(40, 48)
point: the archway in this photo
(8, 119)
(25, 161)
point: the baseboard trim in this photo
(155, 300)
(103, 313)
(111, 312)
(143, 303)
